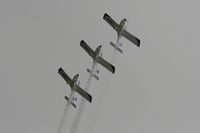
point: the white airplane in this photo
(97, 58)
(121, 31)
(74, 84)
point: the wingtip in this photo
(105, 15)
(113, 69)
(82, 42)
(90, 98)
(60, 69)
(138, 40)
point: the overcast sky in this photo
(155, 88)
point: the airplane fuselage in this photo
(74, 82)
(122, 26)
(95, 62)
(73, 87)
(98, 54)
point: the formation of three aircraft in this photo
(97, 59)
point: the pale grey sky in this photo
(155, 88)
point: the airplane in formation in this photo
(121, 31)
(74, 84)
(97, 58)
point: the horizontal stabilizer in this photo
(71, 102)
(120, 50)
(94, 75)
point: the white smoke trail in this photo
(63, 118)
(101, 95)
(105, 82)
(63, 121)
(82, 103)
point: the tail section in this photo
(94, 75)
(116, 47)
(73, 104)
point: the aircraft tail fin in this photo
(116, 47)
(94, 75)
(73, 104)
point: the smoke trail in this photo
(63, 121)
(105, 82)
(101, 94)
(82, 103)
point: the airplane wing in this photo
(64, 75)
(84, 45)
(110, 21)
(106, 64)
(131, 38)
(73, 104)
(84, 93)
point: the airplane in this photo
(121, 31)
(97, 58)
(74, 84)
